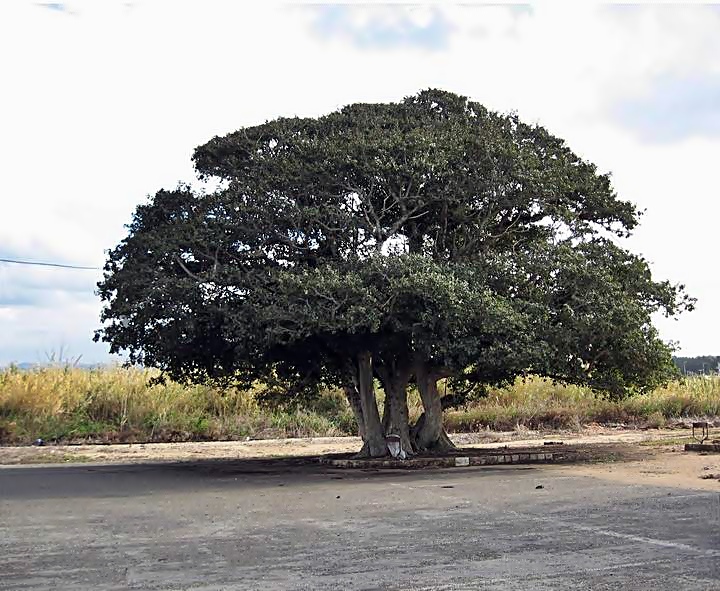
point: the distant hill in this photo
(698, 365)
(28, 365)
(707, 364)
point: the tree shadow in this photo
(246, 474)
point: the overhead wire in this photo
(43, 264)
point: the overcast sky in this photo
(102, 103)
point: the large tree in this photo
(404, 242)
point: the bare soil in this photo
(652, 456)
(653, 464)
(173, 452)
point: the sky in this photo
(103, 102)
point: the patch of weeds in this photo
(655, 420)
(72, 428)
(197, 426)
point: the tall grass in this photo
(118, 404)
(537, 403)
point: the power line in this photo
(16, 262)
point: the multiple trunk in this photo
(395, 375)
(394, 379)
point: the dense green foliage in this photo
(409, 242)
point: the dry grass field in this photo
(66, 404)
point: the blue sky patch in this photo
(30, 285)
(676, 108)
(56, 6)
(14, 299)
(377, 33)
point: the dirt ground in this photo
(653, 456)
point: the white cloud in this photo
(63, 324)
(103, 103)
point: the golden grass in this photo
(118, 404)
(538, 403)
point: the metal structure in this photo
(704, 431)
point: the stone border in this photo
(712, 447)
(448, 461)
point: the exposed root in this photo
(368, 451)
(442, 443)
(364, 452)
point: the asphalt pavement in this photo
(243, 525)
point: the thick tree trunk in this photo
(375, 445)
(395, 416)
(428, 433)
(353, 398)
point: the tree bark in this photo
(395, 379)
(353, 398)
(386, 410)
(428, 433)
(374, 445)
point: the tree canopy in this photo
(405, 242)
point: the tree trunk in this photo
(353, 398)
(386, 409)
(428, 433)
(375, 445)
(395, 379)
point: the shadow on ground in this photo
(139, 479)
(135, 480)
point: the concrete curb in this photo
(712, 447)
(448, 462)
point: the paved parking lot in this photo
(262, 525)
